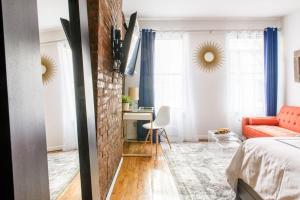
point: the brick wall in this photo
(107, 87)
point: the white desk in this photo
(137, 115)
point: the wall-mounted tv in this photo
(131, 46)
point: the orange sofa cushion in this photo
(268, 131)
(289, 118)
(249, 132)
(272, 121)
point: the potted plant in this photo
(126, 101)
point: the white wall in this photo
(133, 81)
(210, 88)
(53, 104)
(58, 123)
(52, 35)
(291, 34)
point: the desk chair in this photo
(159, 124)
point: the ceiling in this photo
(210, 8)
(50, 11)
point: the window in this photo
(245, 54)
(169, 79)
(168, 71)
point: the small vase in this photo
(125, 106)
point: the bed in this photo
(266, 168)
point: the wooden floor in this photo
(139, 179)
(144, 178)
(73, 191)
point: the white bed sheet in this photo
(271, 166)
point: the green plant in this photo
(126, 99)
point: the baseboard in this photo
(55, 148)
(61, 147)
(111, 188)
(202, 137)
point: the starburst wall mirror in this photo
(209, 56)
(48, 69)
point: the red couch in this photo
(286, 123)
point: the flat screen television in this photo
(131, 46)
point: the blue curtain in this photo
(146, 89)
(271, 69)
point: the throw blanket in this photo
(271, 166)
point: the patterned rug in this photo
(62, 168)
(199, 169)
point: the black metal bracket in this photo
(117, 47)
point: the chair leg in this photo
(167, 138)
(147, 136)
(156, 143)
(151, 140)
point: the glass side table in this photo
(224, 140)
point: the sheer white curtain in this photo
(245, 64)
(171, 85)
(69, 109)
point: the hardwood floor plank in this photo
(73, 191)
(144, 178)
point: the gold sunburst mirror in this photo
(48, 68)
(209, 56)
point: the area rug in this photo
(62, 168)
(199, 169)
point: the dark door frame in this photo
(89, 170)
(23, 168)
(23, 149)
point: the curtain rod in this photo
(209, 30)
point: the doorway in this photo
(24, 175)
(59, 101)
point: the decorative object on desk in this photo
(133, 93)
(222, 131)
(126, 101)
(297, 65)
(209, 56)
(146, 109)
(48, 68)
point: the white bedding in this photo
(271, 166)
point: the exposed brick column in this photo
(107, 87)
